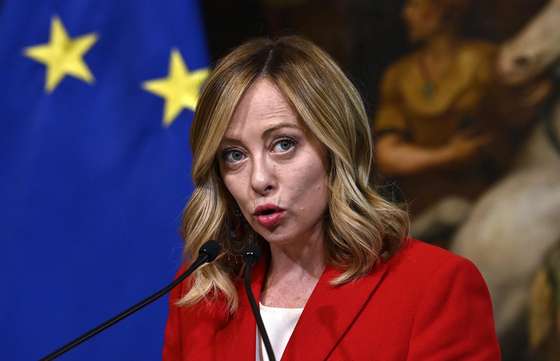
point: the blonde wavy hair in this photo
(360, 225)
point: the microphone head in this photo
(211, 249)
(251, 253)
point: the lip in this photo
(269, 215)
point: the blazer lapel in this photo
(237, 339)
(329, 313)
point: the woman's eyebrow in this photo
(275, 127)
(229, 140)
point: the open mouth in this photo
(268, 215)
(267, 209)
(266, 212)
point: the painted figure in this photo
(441, 118)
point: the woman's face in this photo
(274, 168)
(422, 18)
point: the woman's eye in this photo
(233, 156)
(284, 145)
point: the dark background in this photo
(364, 36)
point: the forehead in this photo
(262, 105)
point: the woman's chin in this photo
(275, 237)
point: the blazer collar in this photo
(327, 315)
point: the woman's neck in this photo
(441, 45)
(294, 260)
(294, 271)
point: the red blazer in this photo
(424, 303)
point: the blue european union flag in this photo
(95, 106)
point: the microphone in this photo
(251, 255)
(207, 253)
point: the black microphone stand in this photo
(251, 254)
(207, 253)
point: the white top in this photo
(279, 324)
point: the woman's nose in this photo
(263, 177)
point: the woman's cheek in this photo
(235, 184)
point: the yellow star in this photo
(180, 89)
(62, 55)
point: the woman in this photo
(282, 155)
